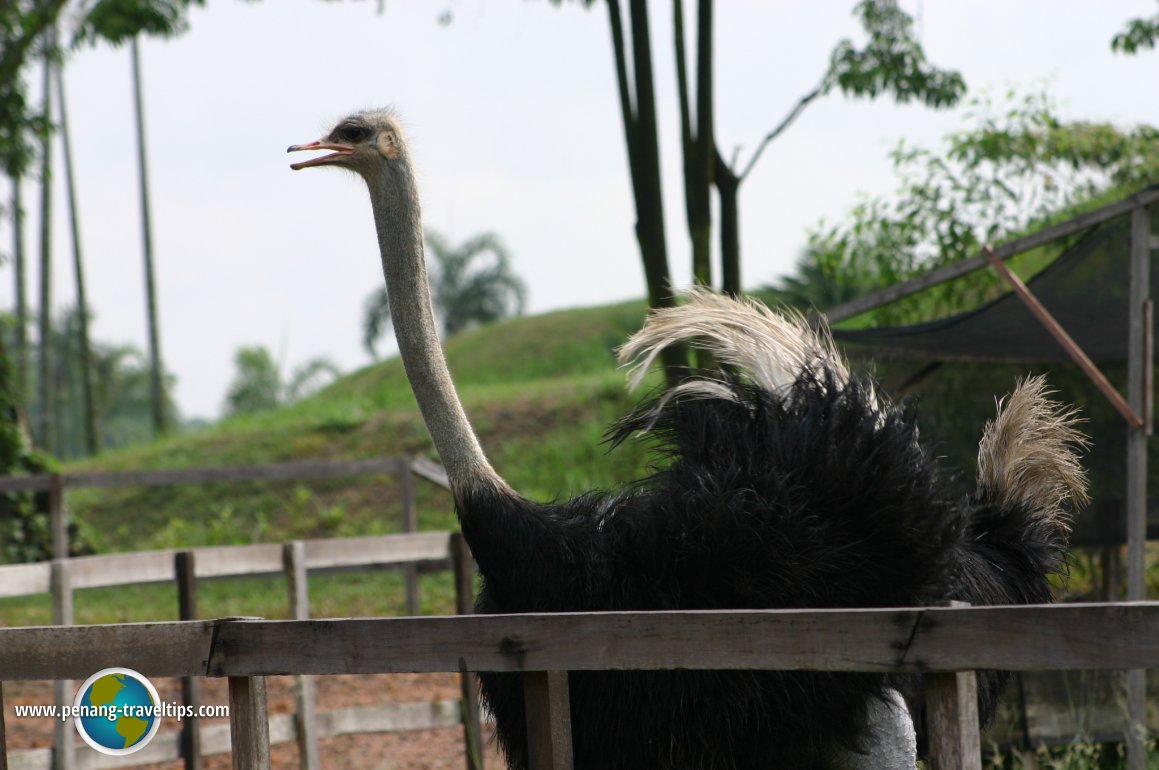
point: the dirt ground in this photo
(440, 749)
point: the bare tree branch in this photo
(787, 121)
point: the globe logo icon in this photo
(117, 711)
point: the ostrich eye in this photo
(351, 132)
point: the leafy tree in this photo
(892, 62)
(471, 283)
(1018, 166)
(1139, 34)
(259, 384)
(27, 31)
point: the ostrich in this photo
(786, 482)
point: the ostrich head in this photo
(371, 144)
(368, 143)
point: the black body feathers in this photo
(821, 497)
(817, 493)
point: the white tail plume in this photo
(773, 349)
(1028, 453)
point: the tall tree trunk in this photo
(21, 310)
(156, 381)
(92, 441)
(728, 183)
(728, 190)
(45, 431)
(643, 144)
(697, 140)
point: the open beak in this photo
(340, 151)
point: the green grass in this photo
(344, 594)
(539, 390)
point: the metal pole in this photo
(1138, 380)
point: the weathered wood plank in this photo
(917, 640)
(464, 564)
(184, 564)
(431, 471)
(395, 717)
(227, 561)
(39, 482)
(3, 733)
(249, 723)
(305, 726)
(409, 524)
(76, 652)
(25, 579)
(952, 721)
(377, 550)
(58, 517)
(63, 751)
(116, 569)
(545, 695)
(287, 471)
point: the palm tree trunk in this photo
(45, 432)
(92, 441)
(156, 382)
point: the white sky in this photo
(515, 125)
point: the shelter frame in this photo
(1140, 361)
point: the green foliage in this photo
(118, 21)
(23, 27)
(25, 526)
(892, 62)
(121, 380)
(259, 384)
(471, 283)
(1139, 34)
(1018, 166)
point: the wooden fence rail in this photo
(412, 553)
(912, 640)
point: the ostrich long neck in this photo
(398, 219)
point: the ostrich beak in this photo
(340, 151)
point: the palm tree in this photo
(259, 384)
(157, 395)
(470, 284)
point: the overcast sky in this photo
(514, 123)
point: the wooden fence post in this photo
(545, 699)
(294, 560)
(63, 755)
(58, 521)
(190, 744)
(464, 565)
(952, 721)
(410, 523)
(249, 723)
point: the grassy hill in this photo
(540, 391)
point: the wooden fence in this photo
(944, 644)
(423, 552)
(413, 553)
